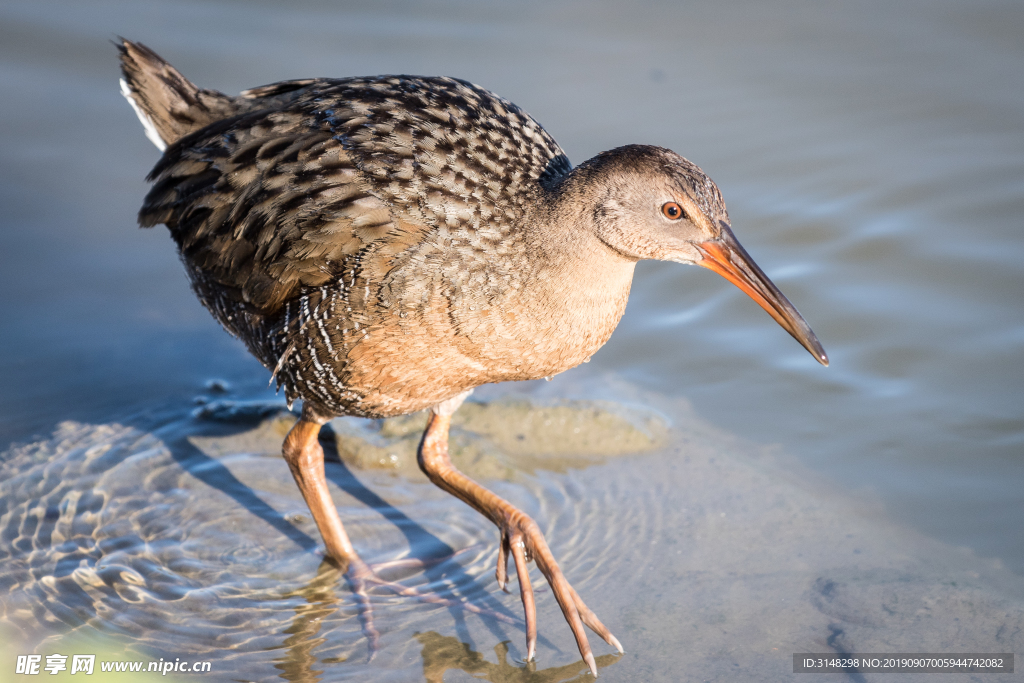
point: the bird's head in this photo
(651, 203)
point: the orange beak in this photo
(727, 257)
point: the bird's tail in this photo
(168, 104)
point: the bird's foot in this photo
(363, 578)
(522, 538)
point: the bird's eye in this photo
(672, 211)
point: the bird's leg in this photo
(305, 458)
(520, 537)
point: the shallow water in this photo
(189, 539)
(871, 157)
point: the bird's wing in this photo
(280, 198)
(264, 203)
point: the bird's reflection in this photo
(443, 653)
(299, 663)
(440, 653)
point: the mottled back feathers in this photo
(277, 198)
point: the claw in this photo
(526, 592)
(366, 616)
(591, 620)
(356, 575)
(589, 659)
(562, 590)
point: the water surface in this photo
(871, 157)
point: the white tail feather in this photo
(147, 123)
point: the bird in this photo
(383, 245)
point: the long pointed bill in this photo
(727, 257)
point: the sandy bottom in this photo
(709, 558)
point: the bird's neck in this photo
(579, 289)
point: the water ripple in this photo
(193, 538)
